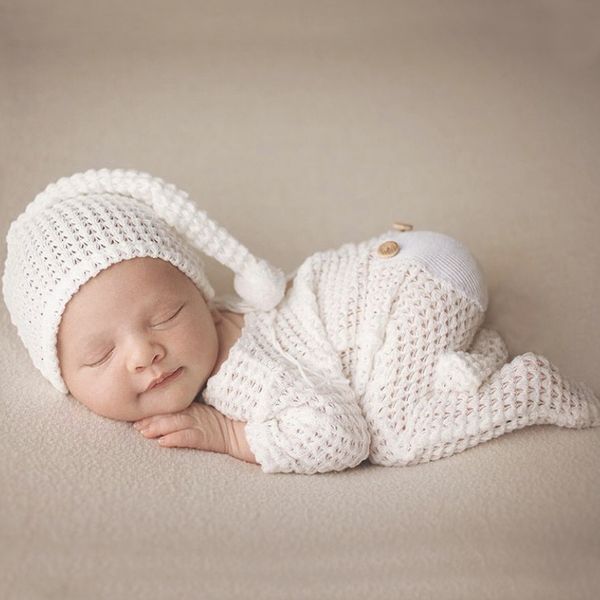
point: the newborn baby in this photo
(374, 350)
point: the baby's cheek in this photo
(120, 385)
(104, 393)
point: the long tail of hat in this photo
(259, 283)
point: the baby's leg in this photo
(427, 320)
(527, 391)
(415, 415)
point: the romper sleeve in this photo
(308, 425)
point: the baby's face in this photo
(133, 322)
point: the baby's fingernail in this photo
(137, 425)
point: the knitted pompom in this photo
(260, 284)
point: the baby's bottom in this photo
(448, 386)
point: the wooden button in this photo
(402, 226)
(388, 249)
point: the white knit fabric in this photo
(384, 358)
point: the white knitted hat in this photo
(84, 223)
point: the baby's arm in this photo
(309, 426)
(466, 371)
(304, 427)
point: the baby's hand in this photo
(198, 426)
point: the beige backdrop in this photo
(300, 126)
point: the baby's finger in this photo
(195, 437)
(144, 422)
(167, 424)
(185, 438)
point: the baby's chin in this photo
(173, 407)
(169, 403)
(140, 407)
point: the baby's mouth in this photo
(165, 380)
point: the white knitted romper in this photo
(439, 383)
(381, 355)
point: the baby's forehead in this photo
(132, 280)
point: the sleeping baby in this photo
(372, 350)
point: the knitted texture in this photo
(85, 223)
(384, 358)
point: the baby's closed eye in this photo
(171, 317)
(106, 356)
